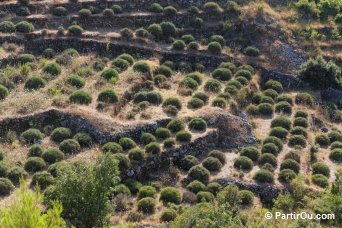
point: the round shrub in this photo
(52, 155)
(301, 122)
(136, 154)
(234, 83)
(251, 152)
(214, 188)
(270, 148)
(215, 48)
(56, 168)
(322, 140)
(268, 158)
(60, 133)
(24, 27)
(152, 148)
(127, 57)
(6, 186)
(212, 9)
(301, 114)
(7, 27)
(283, 107)
(59, 11)
(290, 164)
(321, 168)
(168, 215)
(133, 185)
(224, 95)
(304, 99)
(23, 11)
(178, 45)
(84, 13)
(75, 30)
(199, 173)
(156, 8)
(212, 85)
(202, 96)
(16, 173)
(159, 80)
(244, 73)
(243, 163)
(279, 132)
(219, 155)
(107, 96)
(251, 51)
(176, 125)
(75, 81)
(286, 175)
(109, 73)
(266, 99)
(83, 139)
(336, 155)
(284, 98)
(174, 102)
(218, 38)
(292, 155)
(335, 145)
(111, 147)
(168, 143)
(69, 146)
(169, 29)
(147, 205)
(147, 191)
(196, 76)
(147, 138)
(31, 135)
(265, 109)
(204, 197)
(195, 103)
(183, 136)
(80, 97)
(171, 195)
(53, 69)
(212, 164)
(155, 30)
(35, 151)
(3, 169)
(34, 83)
(188, 38)
(335, 136)
(196, 186)
(187, 162)
(276, 141)
(120, 64)
(275, 85)
(242, 80)
(228, 65)
(142, 67)
(127, 143)
(123, 161)
(299, 131)
(190, 83)
(297, 140)
(252, 109)
(121, 189)
(26, 58)
(162, 133)
(219, 102)
(281, 121)
(197, 124)
(222, 74)
(320, 180)
(34, 164)
(108, 13)
(263, 176)
(164, 70)
(246, 197)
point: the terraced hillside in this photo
(169, 113)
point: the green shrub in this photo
(263, 176)
(176, 125)
(127, 57)
(212, 9)
(320, 180)
(268, 158)
(292, 155)
(301, 122)
(275, 85)
(265, 109)
(147, 191)
(75, 30)
(7, 27)
(35, 151)
(155, 30)
(3, 169)
(244, 73)
(251, 51)
(6, 186)
(199, 173)
(162, 133)
(193, 46)
(212, 164)
(271, 93)
(171, 195)
(178, 45)
(53, 69)
(168, 28)
(147, 138)
(286, 175)
(127, 143)
(34, 83)
(109, 73)
(219, 155)
(335, 145)
(290, 164)
(136, 154)
(243, 163)
(69, 146)
(52, 155)
(336, 155)
(159, 80)
(215, 48)
(188, 38)
(156, 8)
(270, 148)
(214, 188)
(196, 186)
(197, 124)
(188, 161)
(111, 147)
(31, 135)
(223, 74)
(84, 13)
(80, 97)
(299, 131)
(335, 136)
(59, 134)
(242, 80)
(23, 11)
(107, 13)
(195, 103)
(197, 76)
(188, 82)
(133, 185)
(147, 205)
(164, 70)
(59, 11)
(319, 73)
(246, 197)
(121, 189)
(183, 136)
(55, 168)
(217, 38)
(107, 96)
(75, 81)
(16, 173)
(152, 97)
(228, 65)
(266, 99)
(83, 139)
(322, 140)
(152, 148)
(279, 132)
(174, 102)
(26, 58)
(224, 95)
(219, 102)
(304, 99)
(123, 161)
(284, 98)
(234, 83)
(204, 197)
(252, 109)
(283, 107)
(297, 140)
(321, 168)
(204, 97)
(281, 121)
(251, 152)
(24, 27)
(276, 141)
(302, 114)
(120, 64)
(34, 164)
(168, 215)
